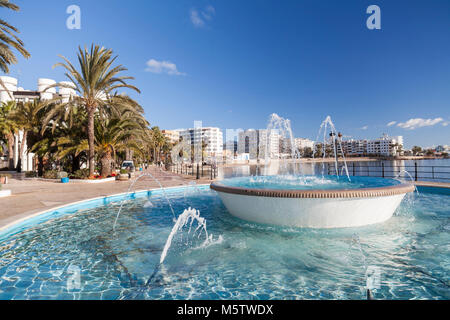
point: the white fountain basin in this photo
(313, 208)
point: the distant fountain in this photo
(146, 204)
(283, 128)
(334, 140)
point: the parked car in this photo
(128, 165)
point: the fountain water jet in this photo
(283, 128)
(128, 192)
(333, 134)
(187, 218)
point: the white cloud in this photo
(195, 19)
(412, 124)
(364, 128)
(167, 67)
(199, 18)
(209, 12)
(390, 124)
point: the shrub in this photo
(123, 171)
(51, 174)
(30, 174)
(61, 174)
(80, 174)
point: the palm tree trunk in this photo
(91, 140)
(11, 151)
(75, 163)
(106, 164)
(21, 150)
(40, 166)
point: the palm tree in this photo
(28, 117)
(9, 40)
(8, 128)
(110, 136)
(158, 141)
(95, 83)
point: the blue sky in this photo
(233, 63)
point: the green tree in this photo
(416, 149)
(8, 127)
(95, 83)
(28, 117)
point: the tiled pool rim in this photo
(70, 208)
(316, 193)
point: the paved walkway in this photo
(30, 196)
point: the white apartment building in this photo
(212, 137)
(273, 144)
(253, 142)
(172, 135)
(302, 143)
(356, 148)
(248, 142)
(385, 146)
(13, 92)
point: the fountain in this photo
(312, 201)
(335, 142)
(283, 128)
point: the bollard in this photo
(198, 172)
(415, 171)
(382, 169)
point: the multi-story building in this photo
(269, 140)
(10, 91)
(354, 148)
(172, 135)
(385, 146)
(253, 142)
(248, 142)
(210, 139)
(302, 143)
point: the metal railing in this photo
(417, 172)
(197, 170)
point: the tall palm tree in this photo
(95, 83)
(8, 127)
(9, 40)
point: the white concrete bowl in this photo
(336, 208)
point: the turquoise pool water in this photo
(295, 182)
(77, 255)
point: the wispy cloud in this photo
(390, 124)
(364, 128)
(415, 123)
(166, 67)
(199, 17)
